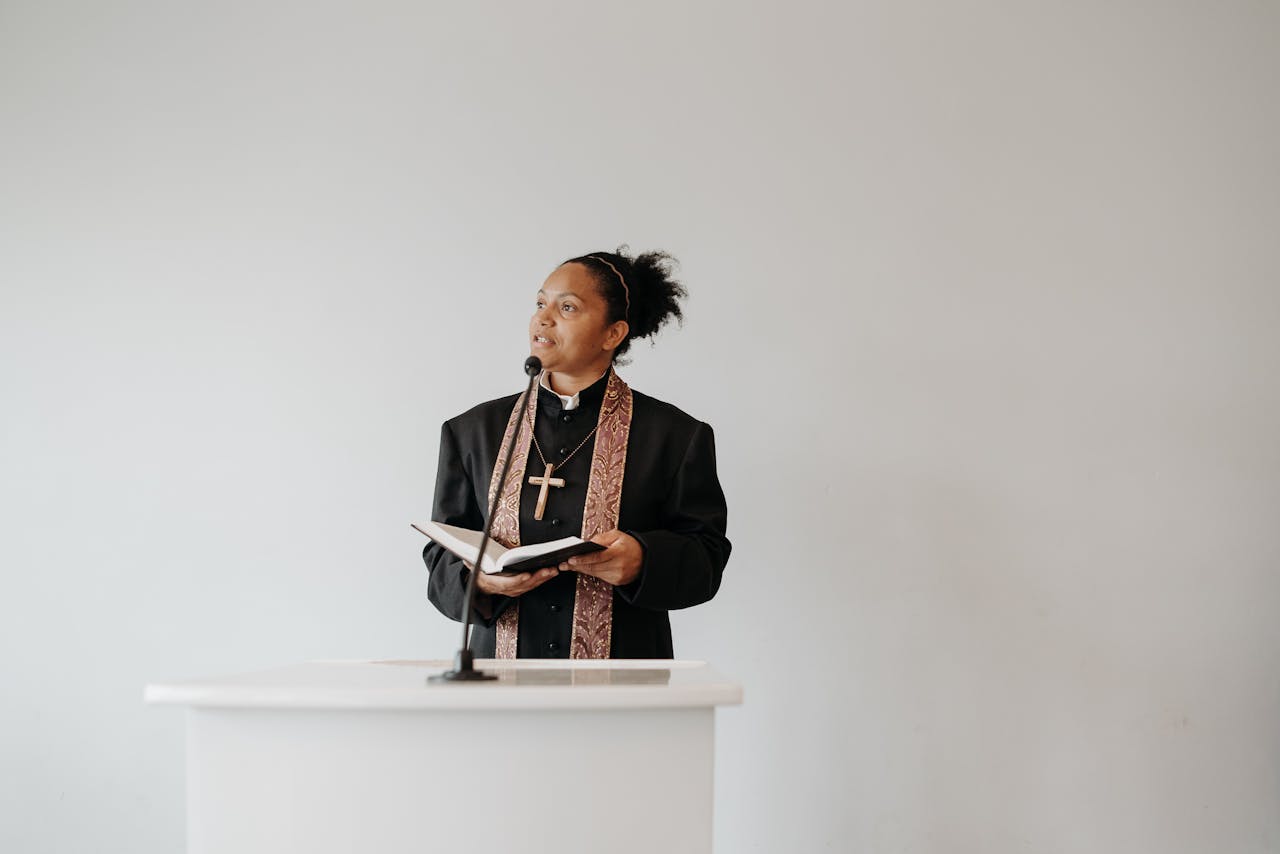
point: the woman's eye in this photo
(567, 307)
(539, 304)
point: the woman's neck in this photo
(572, 383)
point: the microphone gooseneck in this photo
(464, 662)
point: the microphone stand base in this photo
(463, 670)
(462, 676)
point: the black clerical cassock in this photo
(671, 502)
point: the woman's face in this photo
(570, 330)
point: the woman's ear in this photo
(616, 334)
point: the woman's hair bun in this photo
(651, 296)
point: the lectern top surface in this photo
(403, 684)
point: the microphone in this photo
(464, 662)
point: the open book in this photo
(465, 544)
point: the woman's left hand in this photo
(618, 564)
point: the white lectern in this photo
(355, 756)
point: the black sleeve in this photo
(685, 557)
(455, 504)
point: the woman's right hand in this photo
(513, 585)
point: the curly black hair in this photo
(651, 297)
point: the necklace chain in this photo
(541, 456)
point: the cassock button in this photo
(555, 522)
(555, 608)
(566, 418)
(553, 646)
(564, 452)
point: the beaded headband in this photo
(625, 290)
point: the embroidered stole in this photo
(593, 598)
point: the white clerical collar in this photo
(569, 402)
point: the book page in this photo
(519, 553)
(464, 543)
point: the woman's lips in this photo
(540, 341)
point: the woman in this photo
(603, 462)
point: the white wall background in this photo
(984, 305)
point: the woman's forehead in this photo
(571, 279)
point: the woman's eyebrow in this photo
(561, 294)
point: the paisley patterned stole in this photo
(593, 598)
